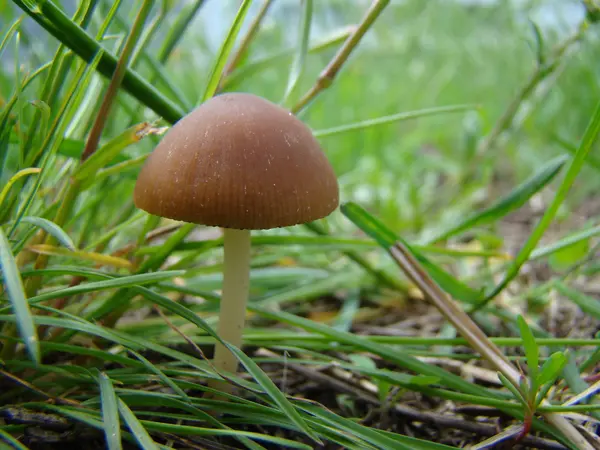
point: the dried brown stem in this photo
(328, 75)
(115, 82)
(474, 335)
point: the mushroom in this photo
(241, 163)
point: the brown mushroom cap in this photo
(238, 161)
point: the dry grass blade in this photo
(474, 335)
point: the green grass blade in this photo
(185, 17)
(389, 354)
(18, 300)
(52, 141)
(565, 242)
(137, 429)
(110, 413)
(246, 71)
(86, 416)
(374, 228)
(110, 151)
(531, 350)
(512, 388)
(128, 281)
(74, 37)
(587, 142)
(551, 369)
(369, 435)
(299, 60)
(276, 395)
(588, 304)
(226, 47)
(20, 174)
(9, 34)
(51, 228)
(514, 200)
(13, 443)
(165, 379)
(386, 120)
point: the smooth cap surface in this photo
(238, 161)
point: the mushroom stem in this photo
(232, 315)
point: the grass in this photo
(459, 273)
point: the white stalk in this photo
(232, 315)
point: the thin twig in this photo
(328, 75)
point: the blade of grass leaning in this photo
(359, 342)
(108, 98)
(137, 429)
(224, 51)
(591, 160)
(121, 282)
(200, 415)
(588, 304)
(242, 48)
(74, 37)
(185, 430)
(13, 180)
(164, 378)
(302, 50)
(330, 243)
(52, 140)
(247, 70)
(261, 377)
(457, 317)
(97, 258)
(565, 242)
(176, 31)
(51, 228)
(110, 413)
(386, 238)
(511, 202)
(111, 149)
(327, 76)
(200, 367)
(20, 95)
(274, 393)
(370, 435)
(18, 300)
(122, 169)
(386, 120)
(13, 443)
(9, 34)
(551, 369)
(573, 170)
(532, 352)
(416, 443)
(86, 416)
